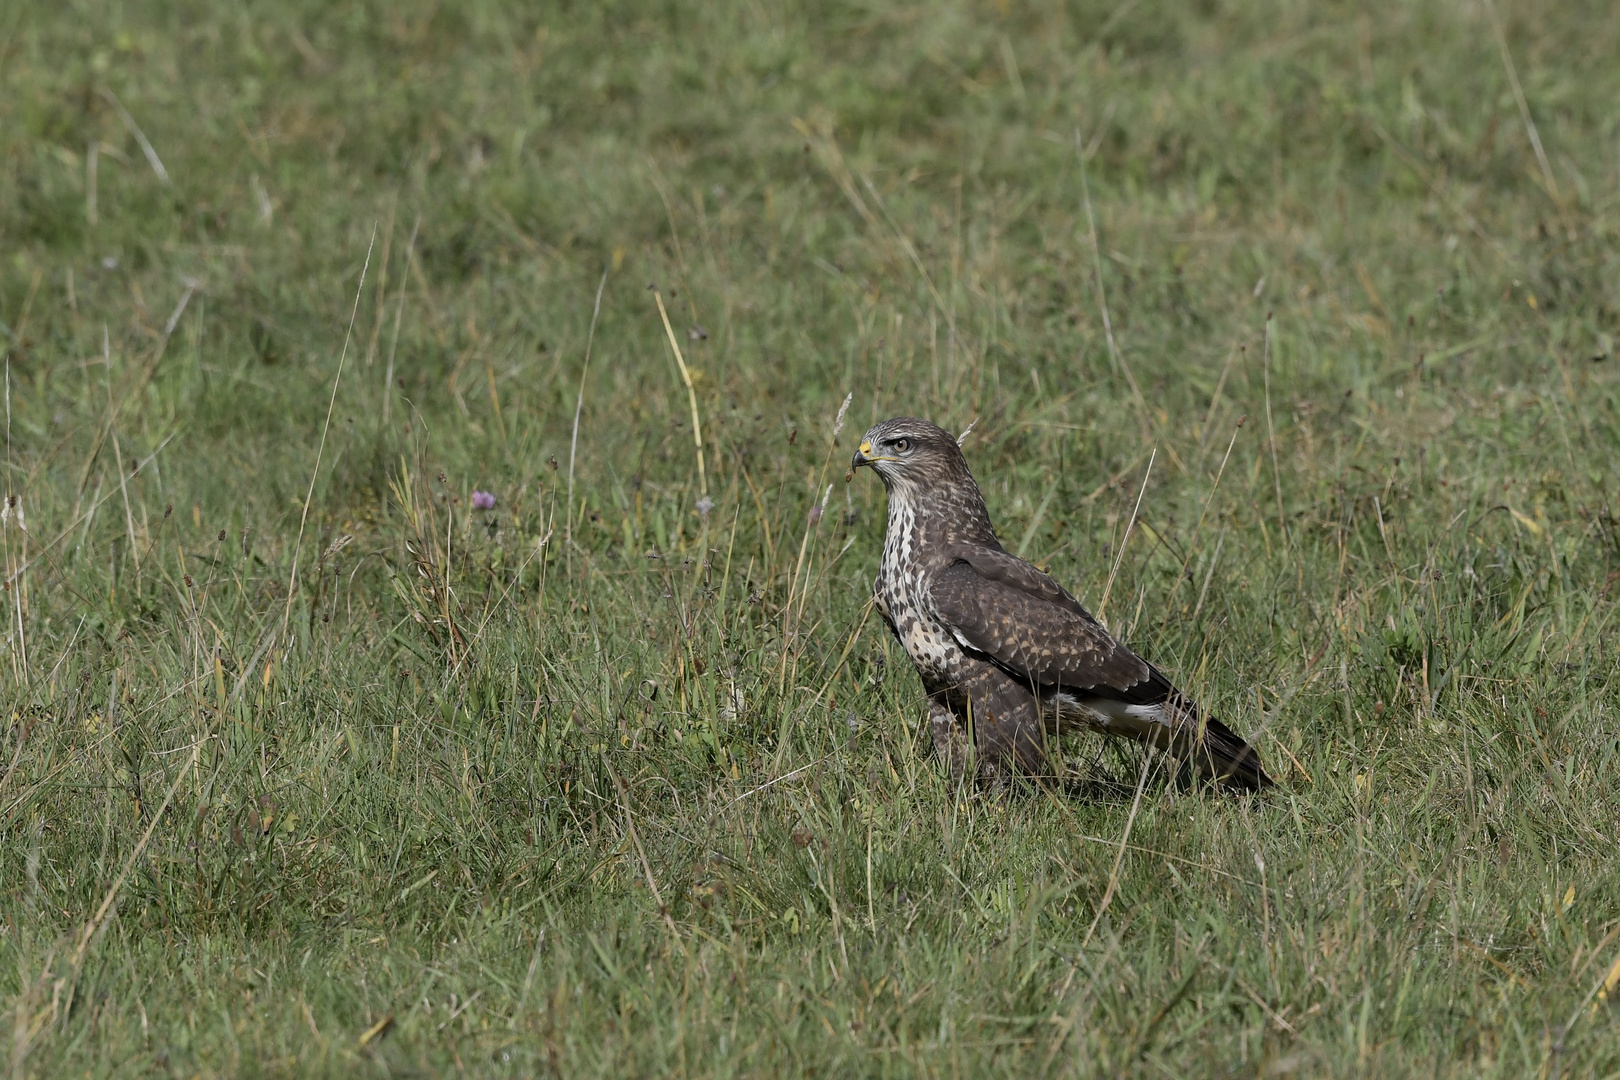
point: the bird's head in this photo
(911, 454)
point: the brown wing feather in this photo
(1023, 620)
(1036, 633)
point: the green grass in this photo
(606, 787)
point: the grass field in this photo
(310, 767)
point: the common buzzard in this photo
(1006, 655)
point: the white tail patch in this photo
(1115, 716)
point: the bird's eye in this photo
(902, 445)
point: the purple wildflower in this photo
(483, 500)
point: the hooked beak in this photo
(861, 457)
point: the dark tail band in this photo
(1225, 758)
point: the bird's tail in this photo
(1222, 756)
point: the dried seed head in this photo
(336, 546)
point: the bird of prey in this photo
(1006, 655)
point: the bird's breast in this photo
(901, 591)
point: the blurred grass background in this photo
(311, 767)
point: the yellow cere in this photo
(866, 447)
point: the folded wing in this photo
(1000, 605)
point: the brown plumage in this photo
(1006, 655)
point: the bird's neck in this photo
(936, 520)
